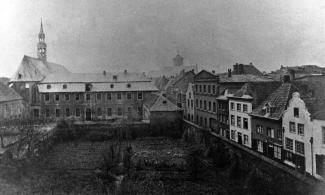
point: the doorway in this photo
(88, 114)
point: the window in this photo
(296, 112)
(209, 88)
(77, 96)
(78, 112)
(65, 86)
(238, 121)
(277, 152)
(67, 97)
(128, 85)
(140, 111)
(245, 125)
(200, 104)
(214, 107)
(188, 103)
(196, 88)
(259, 129)
(289, 144)
(200, 86)
(57, 112)
(209, 106)
(213, 89)
(47, 87)
(292, 127)
(204, 88)
(232, 106)
(87, 96)
(259, 146)
(119, 111)
(99, 111)
(270, 132)
(300, 129)
(57, 97)
(323, 133)
(67, 112)
(109, 96)
(88, 86)
(99, 96)
(244, 107)
(238, 107)
(233, 135)
(109, 111)
(192, 104)
(140, 96)
(246, 140)
(129, 95)
(47, 112)
(47, 97)
(205, 104)
(112, 86)
(300, 148)
(129, 110)
(232, 121)
(279, 134)
(119, 95)
(197, 103)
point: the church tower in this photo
(41, 45)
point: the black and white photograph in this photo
(162, 97)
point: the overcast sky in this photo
(141, 35)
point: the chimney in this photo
(229, 72)
(104, 73)
(236, 68)
(241, 69)
(251, 63)
(125, 71)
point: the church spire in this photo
(41, 45)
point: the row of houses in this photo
(281, 119)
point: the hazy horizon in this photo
(143, 35)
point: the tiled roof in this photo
(93, 77)
(256, 91)
(249, 69)
(8, 94)
(223, 78)
(34, 69)
(278, 101)
(158, 103)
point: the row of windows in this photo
(190, 104)
(223, 119)
(99, 96)
(239, 123)
(239, 137)
(300, 127)
(206, 105)
(99, 112)
(239, 107)
(269, 132)
(88, 86)
(300, 146)
(203, 122)
(210, 89)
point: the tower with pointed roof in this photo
(178, 60)
(41, 45)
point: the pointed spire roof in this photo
(41, 30)
(41, 34)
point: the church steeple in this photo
(41, 45)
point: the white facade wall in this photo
(190, 103)
(242, 114)
(318, 142)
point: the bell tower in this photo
(41, 45)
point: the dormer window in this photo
(112, 85)
(64, 86)
(48, 86)
(88, 87)
(19, 76)
(296, 112)
(164, 102)
(128, 85)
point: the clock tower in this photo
(41, 45)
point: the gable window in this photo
(213, 89)
(296, 112)
(238, 107)
(47, 97)
(99, 96)
(140, 96)
(245, 125)
(204, 88)
(292, 127)
(48, 86)
(270, 132)
(77, 111)
(238, 121)
(209, 88)
(57, 97)
(232, 106)
(300, 148)
(65, 86)
(129, 95)
(289, 144)
(67, 97)
(109, 96)
(300, 129)
(259, 129)
(244, 107)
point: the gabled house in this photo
(190, 105)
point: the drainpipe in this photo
(312, 156)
